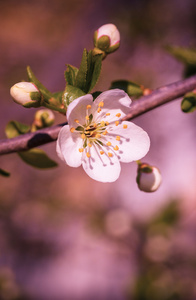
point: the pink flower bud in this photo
(107, 38)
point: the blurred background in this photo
(62, 235)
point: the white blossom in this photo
(21, 91)
(98, 139)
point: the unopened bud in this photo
(148, 178)
(107, 38)
(25, 93)
(44, 118)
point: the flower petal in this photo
(68, 145)
(101, 167)
(114, 102)
(77, 109)
(134, 142)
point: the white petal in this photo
(115, 101)
(68, 145)
(77, 110)
(101, 167)
(134, 141)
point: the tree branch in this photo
(157, 98)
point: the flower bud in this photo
(148, 178)
(44, 118)
(107, 38)
(25, 93)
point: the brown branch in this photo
(156, 98)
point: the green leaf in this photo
(185, 55)
(131, 88)
(189, 102)
(71, 93)
(94, 70)
(70, 74)
(14, 128)
(4, 173)
(80, 81)
(37, 158)
(43, 90)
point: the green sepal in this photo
(43, 90)
(80, 81)
(79, 128)
(188, 103)
(70, 74)
(113, 48)
(14, 129)
(37, 158)
(131, 88)
(71, 93)
(90, 118)
(4, 173)
(103, 42)
(85, 143)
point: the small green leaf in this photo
(4, 173)
(37, 158)
(131, 88)
(189, 102)
(70, 74)
(94, 70)
(44, 91)
(80, 81)
(185, 55)
(14, 128)
(71, 93)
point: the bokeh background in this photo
(64, 236)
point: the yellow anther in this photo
(95, 125)
(87, 117)
(125, 126)
(88, 106)
(101, 104)
(118, 115)
(88, 154)
(76, 120)
(116, 148)
(108, 114)
(81, 149)
(102, 123)
(89, 144)
(117, 123)
(72, 129)
(88, 127)
(101, 152)
(109, 144)
(99, 109)
(105, 132)
(118, 138)
(107, 123)
(98, 135)
(110, 154)
(83, 136)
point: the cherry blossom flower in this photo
(98, 139)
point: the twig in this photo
(157, 98)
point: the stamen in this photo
(116, 148)
(87, 117)
(72, 129)
(101, 152)
(107, 114)
(102, 123)
(88, 106)
(89, 144)
(81, 149)
(110, 154)
(105, 132)
(101, 104)
(88, 154)
(88, 127)
(116, 123)
(118, 138)
(76, 120)
(99, 109)
(118, 115)
(95, 125)
(109, 144)
(125, 126)
(98, 135)
(83, 136)
(107, 123)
